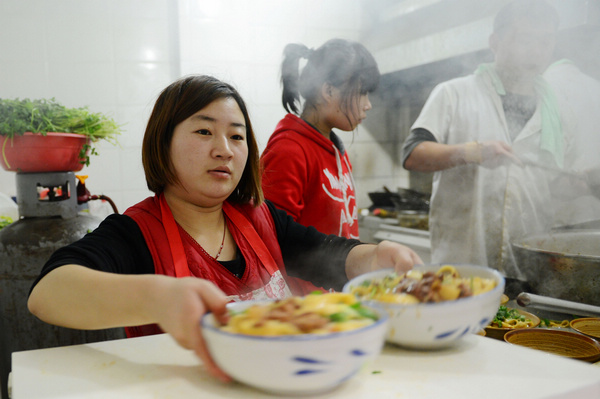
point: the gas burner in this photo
(47, 194)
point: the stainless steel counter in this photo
(375, 229)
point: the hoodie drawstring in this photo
(338, 162)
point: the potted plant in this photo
(45, 136)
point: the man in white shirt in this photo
(476, 134)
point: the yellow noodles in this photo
(510, 318)
(558, 324)
(514, 323)
(415, 287)
(313, 314)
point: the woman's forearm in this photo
(78, 297)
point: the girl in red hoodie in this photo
(306, 170)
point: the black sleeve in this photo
(415, 138)
(311, 255)
(116, 246)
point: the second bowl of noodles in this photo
(432, 306)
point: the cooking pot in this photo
(592, 177)
(562, 264)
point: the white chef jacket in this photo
(578, 98)
(476, 212)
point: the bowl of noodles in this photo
(508, 319)
(296, 346)
(432, 306)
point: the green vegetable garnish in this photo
(506, 314)
(338, 317)
(368, 313)
(5, 221)
(545, 322)
(364, 312)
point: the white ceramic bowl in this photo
(438, 325)
(294, 364)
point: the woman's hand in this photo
(368, 257)
(182, 303)
(393, 255)
(78, 297)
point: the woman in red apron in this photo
(206, 238)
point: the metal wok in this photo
(562, 264)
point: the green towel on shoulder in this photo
(552, 135)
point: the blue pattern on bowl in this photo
(465, 332)
(307, 360)
(445, 334)
(300, 359)
(306, 372)
(450, 334)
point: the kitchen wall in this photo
(116, 55)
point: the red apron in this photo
(262, 264)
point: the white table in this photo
(156, 367)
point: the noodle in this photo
(312, 314)
(510, 318)
(416, 287)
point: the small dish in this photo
(500, 332)
(589, 326)
(562, 343)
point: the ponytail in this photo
(343, 64)
(290, 74)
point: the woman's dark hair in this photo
(177, 102)
(343, 64)
(524, 11)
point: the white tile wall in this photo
(115, 56)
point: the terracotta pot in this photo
(35, 153)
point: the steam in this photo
(576, 84)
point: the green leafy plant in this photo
(47, 115)
(5, 221)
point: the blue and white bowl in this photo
(293, 364)
(437, 325)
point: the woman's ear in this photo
(327, 92)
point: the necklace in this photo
(223, 240)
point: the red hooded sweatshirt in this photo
(310, 177)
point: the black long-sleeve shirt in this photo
(118, 246)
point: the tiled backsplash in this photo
(115, 56)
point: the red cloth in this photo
(302, 177)
(147, 215)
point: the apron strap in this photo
(235, 216)
(248, 231)
(174, 237)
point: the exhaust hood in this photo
(409, 33)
